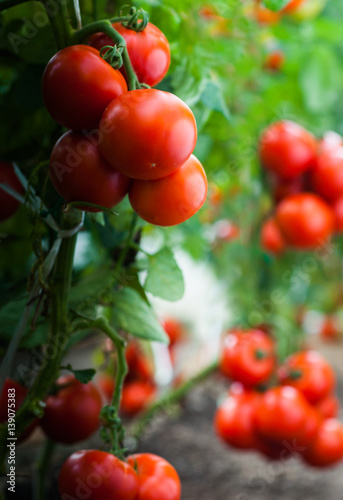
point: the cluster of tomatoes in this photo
(306, 179)
(283, 411)
(123, 141)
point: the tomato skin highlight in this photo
(8, 204)
(287, 149)
(327, 448)
(77, 86)
(271, 238)
(73, 413)
(305, 220)
(173, 199)
(157, 478)
(149, 51)
(139, 141)
(97, 475)
(79, 173)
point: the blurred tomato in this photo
(327, 175)
(271, 238)
(337, 207)
(139, 365)
(328, 407)
(274, 60)
(174, 330)
(327, 447)
(330, 328)
(136, 396)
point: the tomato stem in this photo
(42, 469)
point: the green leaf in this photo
(212, 97)
(97, 217)
(165, 279)
(275, 5)
(132, 314)
(84, 376)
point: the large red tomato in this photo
(72, 414)
(247, 356)
(173, 199)
(305, 220)
(281, 414)
(310, 373)
(149, 51)
(327, 174)
(157, 478)
(327, 447)
(77, 86)
(234, 420)
(97, 475)
(271, 238)
(79, 172)
(8, 204)
(287, 149)
(147, 133)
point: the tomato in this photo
(337, 208)
(174, 330)
(293, 5)
(247, 356)
(287, 149)
(328, 407)
(327, 175)
(97, 475)
(13, 390)
(215, 195)
(274, 60)
(234, 420)
(8, 204)
(79, 173)
(157, 478)
(312, 424)
(136, 396)
(310, 373)
(149, 51)
(327, 447)
(281, 414)
(77, 86)
(139, 141)
(330, 141)
(72, 414)
(225, 230)
(271, 238)
(307, 9)
(263, 15)
(305, 220)
(330, 329)
(138, 363)
(282, 188)
(173, 199)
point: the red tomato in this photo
(8, 204)
(14, 393)
(77, 86)
(136, 396)
(264, 15)
(312, 424)
(173, 199)
(292, 6)
(247, 356)
(327, 448)
(310, 373)
(225, 230)
(106, 384)
(138, 363)
(305, 220)
(149, 51)
(174, 330)
(157, 478)
(274, 60)
(338, 213)
(139, 141)
(234, 420)
(287, 149)
(330, 329)
(281, 414)
(79, 173)
(276, 451)
(97, 475)
(271, 238)
(282, 188)
(72, 414)
(327, 174)
(328, 407)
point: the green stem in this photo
(174, 396)
(42, 469)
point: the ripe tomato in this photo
(79, 173)
(287, 149)
(173, 199)
(281, 414)
(263, 15)
(310, 373)
(215, 195)
(174, 330)
(312, 424)
(305, 220)
(247, 356)
(330, 329)
(97, 475)
(138, 363)
(13, 390)
(327, 447)
(234, 420)
(149, 51)
(139, 141)
(282, 188)
(292, 6)
(8, 204)
(72, 414)
(136, 395)
(225, 230)
(274, 60)
(337, 207)
(271, 238)
(77, 86)
(328, 407)
(157, 478)
(327, 175)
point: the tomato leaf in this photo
(84, 376)
(275, 5)
(132, 314)
(212, 97)
(97, 217)
(165, 279)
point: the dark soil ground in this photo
(208, 469)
